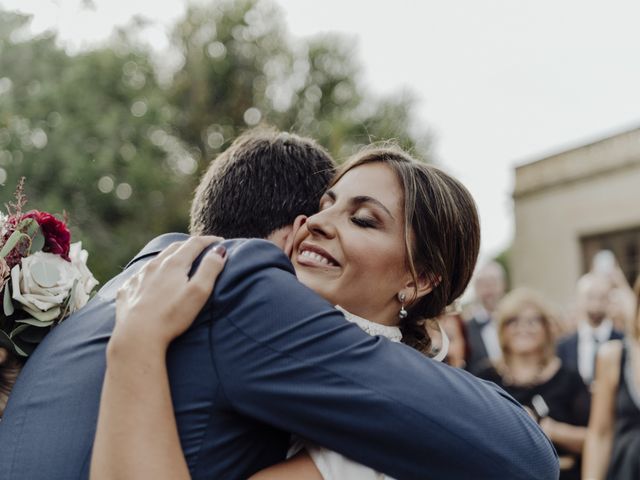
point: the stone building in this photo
(569, 206)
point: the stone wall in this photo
(558, 200)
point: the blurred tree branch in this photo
(100, 134)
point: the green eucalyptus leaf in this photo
(37, 241)
(25, 223)
(18, 330)
(31, 227)
(20, 351)
(33, 335)
(7, 304)
(5, 340)
(11, 242)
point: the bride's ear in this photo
(291, 235)
(425, 284)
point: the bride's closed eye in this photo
(365, 222)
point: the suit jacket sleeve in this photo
(288, 358)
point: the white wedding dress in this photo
(332, 465)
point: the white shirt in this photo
(586, 346)
(489, 334)
(332, 465)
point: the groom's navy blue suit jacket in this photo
(266, 357)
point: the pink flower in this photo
(57, 238)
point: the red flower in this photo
(57, 238)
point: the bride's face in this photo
(352, 252)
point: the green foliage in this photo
(103, 135)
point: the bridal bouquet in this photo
(43, 276)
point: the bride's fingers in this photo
(164, 254)
(203, 280)
(125, 290)
(128, 291)
(210, 267)
(161, 298)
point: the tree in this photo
(87, 132)
(240, 68)
(98, 133)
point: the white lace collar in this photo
(392, 333)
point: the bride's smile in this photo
(352, 251)
(314, 256)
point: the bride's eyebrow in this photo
(331, 194)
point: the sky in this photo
(499, 83)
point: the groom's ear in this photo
(291, 235)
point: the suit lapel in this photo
(158, 244)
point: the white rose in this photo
(86, 280)
(43, 283)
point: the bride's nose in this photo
(322, 224)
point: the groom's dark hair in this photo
(260, 184)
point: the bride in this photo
(395, 242)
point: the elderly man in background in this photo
(489, 286)
(578, 351)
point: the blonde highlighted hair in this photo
(512, 305)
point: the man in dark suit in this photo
(267, 356)
(578, 351)
(489, 286)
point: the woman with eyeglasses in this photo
(532, 373)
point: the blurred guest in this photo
(578, 351)
(459, 351)
(622, 300)
(489, 286)
(619, 310)
(612, 448)
(531, 372)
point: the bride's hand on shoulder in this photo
(160, 302)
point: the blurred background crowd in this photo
(548, 360)
(117, 134)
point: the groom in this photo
(266, 357)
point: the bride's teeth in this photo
(315, 256)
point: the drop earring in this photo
(403, 313)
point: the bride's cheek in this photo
(301, 235)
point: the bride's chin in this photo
(318, 283)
